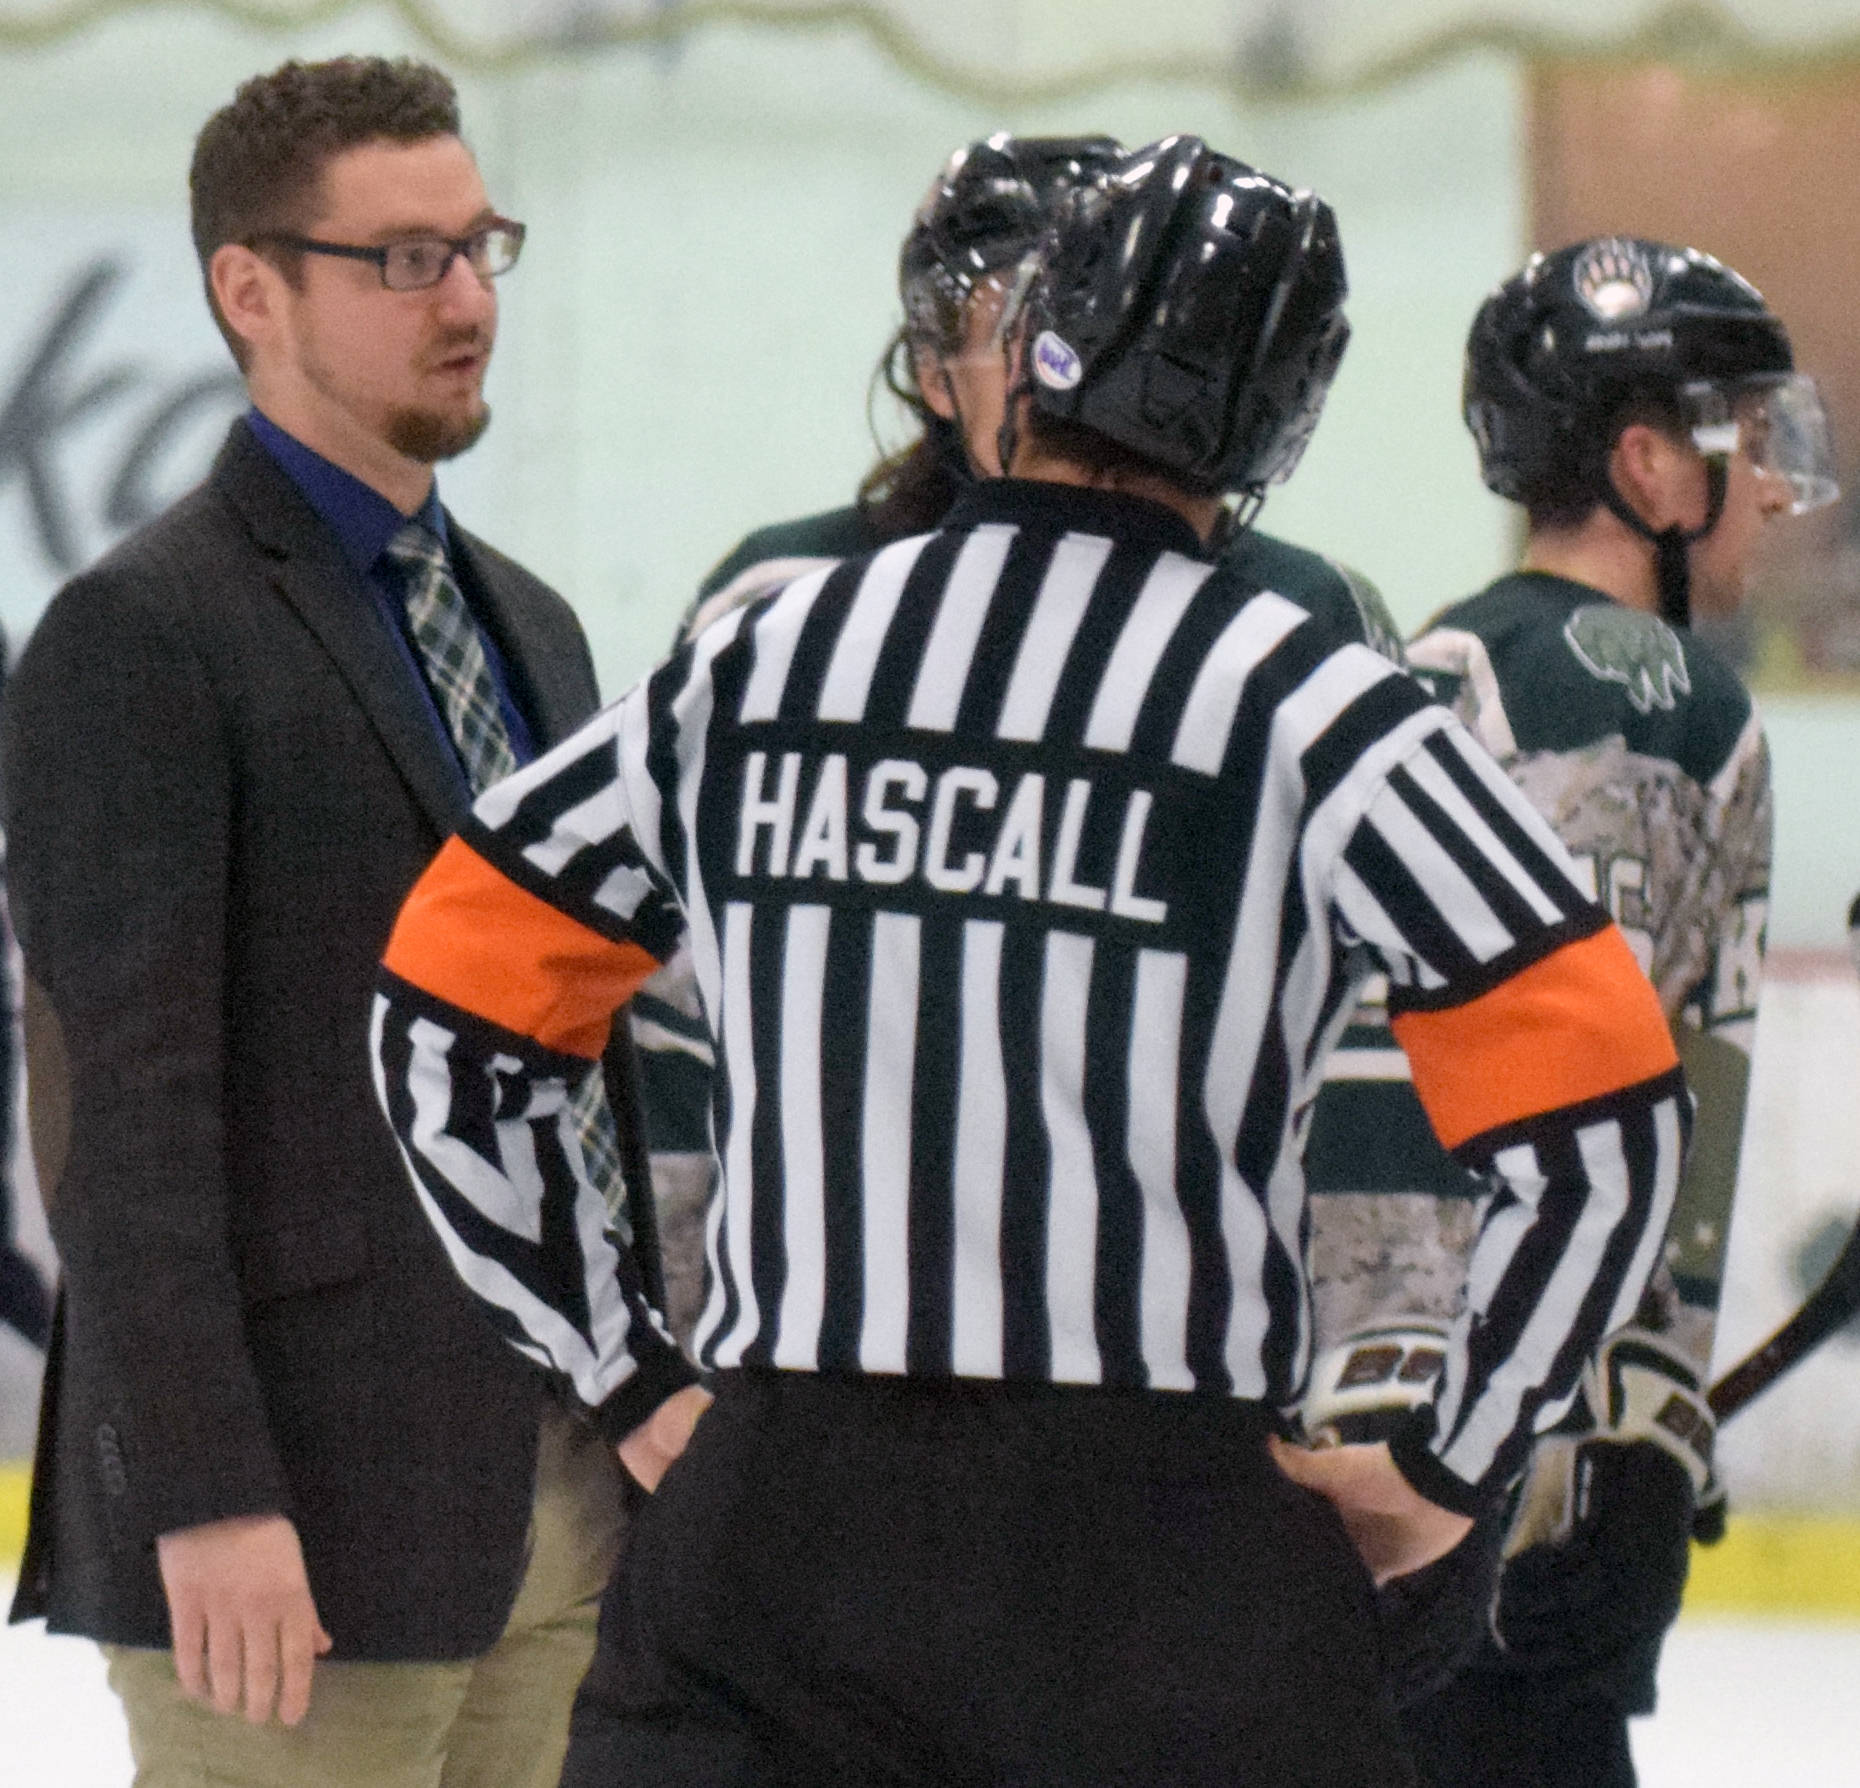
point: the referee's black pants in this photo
(1488, 1730)
(883, 1581)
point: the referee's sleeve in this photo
(496, 998)
(1542, 1057)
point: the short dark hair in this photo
(258, 162)
(1569, 496)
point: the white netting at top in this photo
(1011, 51)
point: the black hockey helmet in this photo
(1559, 352)
(1190, 308)
(986, 211)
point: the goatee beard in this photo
(427, 436)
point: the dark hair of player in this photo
(909, 490)
(1564, 494)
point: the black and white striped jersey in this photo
(670, 1037)
(1029, 868)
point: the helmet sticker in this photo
(1055, 364)
(1614, 279)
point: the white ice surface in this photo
(60, 1727)
(1743, 1704)
(1750, 1703)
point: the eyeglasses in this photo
(416, 262)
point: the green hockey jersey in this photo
(1645, 753)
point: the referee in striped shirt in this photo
(1029, 868)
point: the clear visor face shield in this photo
(1779, 424)
(991, 311)
(976, 373)
(975, 318)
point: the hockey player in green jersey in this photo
(959, 275)
(1641, 402)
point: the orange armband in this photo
(472, 937)
(1578, 1025)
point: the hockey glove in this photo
(1365, 1386)
(1597, 1550)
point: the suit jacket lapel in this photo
(310, 573)
(551, 661)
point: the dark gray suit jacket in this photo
(219, 788)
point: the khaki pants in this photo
(498, 1721)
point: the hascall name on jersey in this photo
(1084, 844)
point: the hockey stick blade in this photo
(1830, 1306)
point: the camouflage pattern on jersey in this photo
(1393, 1216)
(1645, 754)
(676, 1058)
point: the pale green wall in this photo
(687, 345)
(709, 279)
(712, 282)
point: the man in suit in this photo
(286, 1470)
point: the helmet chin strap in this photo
(947, 443)
(1236, 515)
(1007, 438)
(954, 444)
(1672, 546)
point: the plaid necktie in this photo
(452, 651)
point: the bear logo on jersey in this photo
(1613, 279)
(1640, 652)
